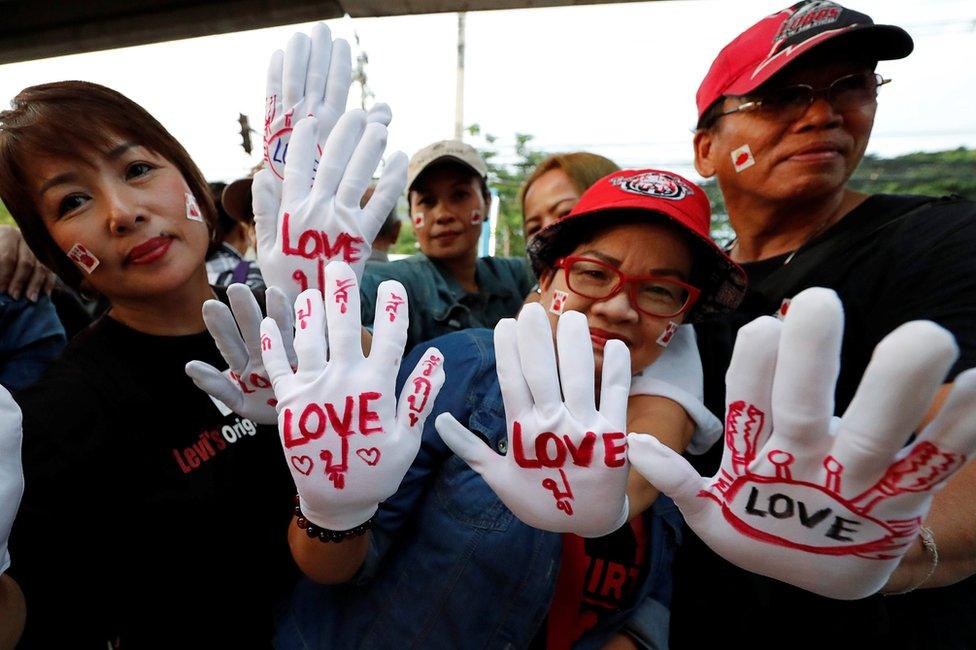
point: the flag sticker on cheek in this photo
(558, 304)
(192, 209)
(667, 334)
(418, 220)
(476, 217)
(83, 258)
(742, 158)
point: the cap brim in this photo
(723, 281)
(879, 42)
(447, 157)
(236, 199)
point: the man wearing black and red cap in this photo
(784, 118)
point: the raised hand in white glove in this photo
(244, 387)
(311, 78)
(11, 472)
(566, 466)
(347, 441)
(677, 375)
(317, 217)
(829, 505)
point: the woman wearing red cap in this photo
(447, 563)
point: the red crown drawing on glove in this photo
(815, 518)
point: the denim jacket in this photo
(31, 337)
(439, 304)
(449, 566)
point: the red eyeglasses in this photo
(663, 297)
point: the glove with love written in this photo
(566, 466)
(11, 472)
(677, 375)
(244, 387)
(826, 504)
(316, 217)
(310, 78)
(347, 440)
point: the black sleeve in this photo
(66, 528)
(932, 276)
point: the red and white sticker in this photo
(783, 308)
(418, 220)
(558, 304)
(742, 158)
(192, 209)
(667, 334)
(476, 217)
(83, 258)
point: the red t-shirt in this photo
(597, 577)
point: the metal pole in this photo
(459, 102)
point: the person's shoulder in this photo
(925, 212)
(515, 266)
(413, 267)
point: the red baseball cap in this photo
(655, 193)
(780, 39)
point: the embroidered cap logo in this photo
(656, 184)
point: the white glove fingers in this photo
(273, 88)
(360, 168)
(340, 79)
(538, 358)
(748, 392)
(265, 199)
(390, 322)
(222, 327)
(300, 164)
(319, 62)
(466, 444)
(391, 186)
(215, 383)
(898, 386)
(273, 354)
(954, 428)
(342, 312)
(807, 367)
(666, 470)
(615, 383)
(380, 112)
(508, 366)
(419, 392)
(338, 149)
(295, 70)
(282, 311)
(575, 358)
(310, 343)
(247, 313)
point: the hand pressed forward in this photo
(823, 503)
(566, 466)
(347, 440)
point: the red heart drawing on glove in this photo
(302, 463)
(370, 456)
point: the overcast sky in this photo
(616, 79)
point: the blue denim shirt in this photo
(439, 304)
(449, 566)
(31, 337)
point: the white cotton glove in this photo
(311, 78)
(11, 472)
(566, 466)
(244, 387)
(677, 375)
(347, 441)
(826, 504)
(317, 217)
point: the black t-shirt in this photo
(149, 518)
(887, 271)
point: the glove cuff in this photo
(341, 522)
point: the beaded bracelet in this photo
(324, 534)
